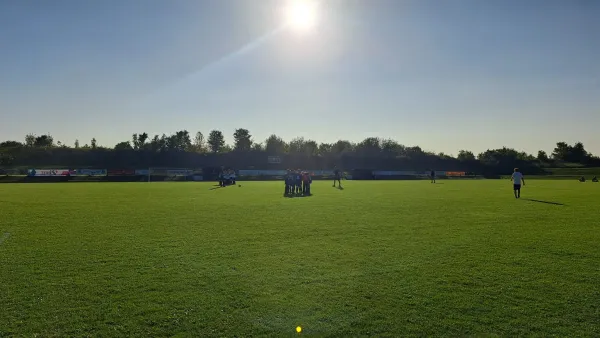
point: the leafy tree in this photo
(275, 145)
(465, 155)
(578, 153)
(30, 140)
(392, 148)
(311, 148)
(342, 146)
(139, 141)
(414, 153)
(226, 149)
(142, 138)
(257, 147)
(566, 153)
(542, 156)
(11, 144)
(216, 141)
(180, 141)
(562, 152)
(297, 145)
(136, 143)
(325, 149)
(93, 143)
(157, 143)
(301, 146)
(44, 141)
(369, 146)
(242, 140)
(125, 145)
(199, 145)
(76, 144)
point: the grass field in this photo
(379, 258)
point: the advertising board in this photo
(49, 172)
(91, 172)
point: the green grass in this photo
(380, 258)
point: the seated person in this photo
(595, 179)
(582, 179)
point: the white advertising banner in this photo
(49, 172)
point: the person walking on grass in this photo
(432, 175)
(518, 180)
(337, 176)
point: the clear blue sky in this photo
(445, 75)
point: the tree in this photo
(199, 145)
(369, 146)
(414, 152)
(275, 145)
(242, 140)
(30, 140)
(180, 141)
(325, 149)
(139, 141)
(391, 148)
(465, 155)
(311, 148)
(76, 144)
(125, 145)
(44, 141)
(157, 143)
(226, 149)
(297, 145)
(142, 138)
(542, 156)
(216, 141)
(444, 156)
(578, 153)
(11, 144)
(342, 146)
(93, 143)
(134, 139)
(562, 152)
(257, 147)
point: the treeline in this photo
(181, 149)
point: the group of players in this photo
(297, 182)
(227, 177)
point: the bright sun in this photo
(302, 15)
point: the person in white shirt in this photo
(518, 180)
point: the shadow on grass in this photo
(540, 201)
(296, 195)
(339, 188)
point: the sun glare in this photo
(302, 15)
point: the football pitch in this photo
(378, 258)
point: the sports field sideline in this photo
(382, 258)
